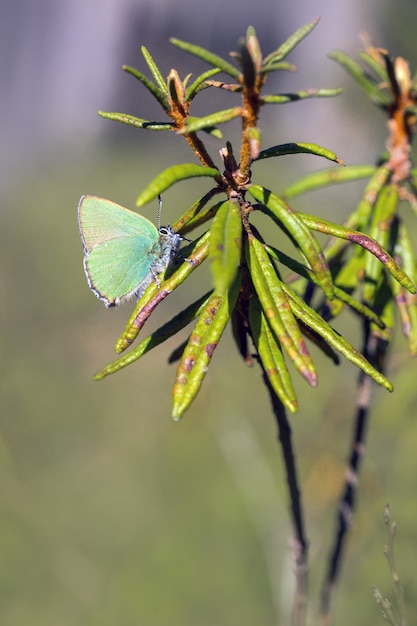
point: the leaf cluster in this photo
(392, 188)
(270, 320)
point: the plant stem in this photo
(374, 351)
(299, 611)
(389, 553)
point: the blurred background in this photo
(110, 513)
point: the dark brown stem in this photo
(299, 612)
(251, 105)
(199, 150)
(374, 351)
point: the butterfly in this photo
(123, 251)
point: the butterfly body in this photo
(123, 251)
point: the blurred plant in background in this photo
(393, 182)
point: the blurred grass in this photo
(112, 514)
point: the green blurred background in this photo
(110, 513)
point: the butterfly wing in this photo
(120, 247)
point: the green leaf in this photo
(159, 79)
(375, 65)
(327, 177)
(409, 304)
(198, 213)
(175, 89)
(248, 63)
(159, 336)
(353, 68)
(313, 319)
(291, 42)
(225, 246)
(155, 294)
(200, 83)
(278, 66)
(300, 95)
(173, 175)
(280, 211)
(404, 247)
(270, 353)
(210, 130)
(207, 56)
(159, 94)
(383, 214)
(341, 297)
(200, 347)
(379, 254)
(297, 148)
(358, 219)
(253, 48)
(137, 122)
(241, 334)
(219, 117)
(369, 196)
(277, 311)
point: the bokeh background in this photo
(110, 513)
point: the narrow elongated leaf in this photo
(176, 89)
(382, 258)
(248, 65)
(206, 55)
(389, 319)
(355, 70)
(405, 246)
(271, 356)
(210, 130)
(297, 148)
(300, 95)
(278, 66)
(198, 213)
(200, 347)
(302, 237)
(159, 336)
(254, 48)
(241, 334)
(137, 122)
(173, 175)
(277, 311)
(288, 45)
(157, 92)
(225, 246)
(154, 294)
(358, 219)
(327, 177)
(159, 79)
(370, 195)
(381, 224)
(340, 296)
(200, 83)
(376, 65)
(407, 308)
(313, 319)
(220, 117)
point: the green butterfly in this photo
(123, 251)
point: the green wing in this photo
(101, 220)
(120, 248)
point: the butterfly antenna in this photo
(159, 210)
